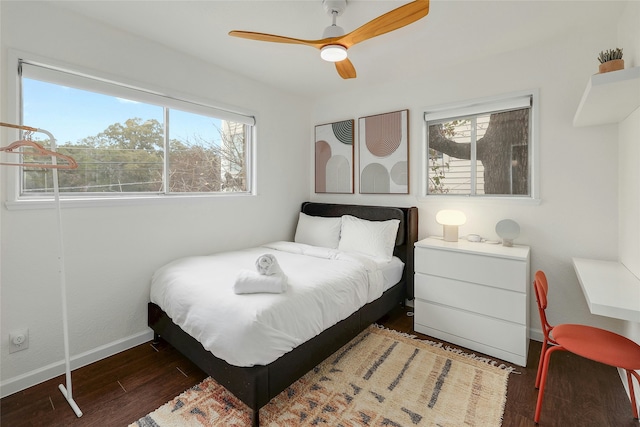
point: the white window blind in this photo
(68, 78)
(464, 110)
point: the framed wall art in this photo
(334, 157)
(384, 153)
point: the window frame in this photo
(175, 99)
(479, 106)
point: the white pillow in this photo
(318, 231)
(373, 238)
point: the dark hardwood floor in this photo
(119, 390)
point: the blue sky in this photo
(72, 114)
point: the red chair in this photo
(592, 343)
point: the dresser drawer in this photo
(489, 301)
(471, 327)
(493, 271)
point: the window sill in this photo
(91, 202)
(482, 199)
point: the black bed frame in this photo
(257, 385)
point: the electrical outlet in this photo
(18, 340)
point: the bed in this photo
(257, 384)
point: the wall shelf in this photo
(609, 98)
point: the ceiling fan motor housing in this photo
(332, 31)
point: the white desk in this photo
(610, 288)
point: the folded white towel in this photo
(250, 282)
(267, 264)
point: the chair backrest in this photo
(541, 287)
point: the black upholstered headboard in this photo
(407, 230)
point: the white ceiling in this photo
(452, 32)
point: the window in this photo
(129, 141)
(483, 149)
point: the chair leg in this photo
(543, 380)
(634, 406)
(542, 353)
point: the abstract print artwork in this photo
(384, 153)
(334, 157)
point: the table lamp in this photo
(450, 220)
(508, 229)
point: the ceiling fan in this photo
(334, 42)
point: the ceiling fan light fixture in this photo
(333, 53)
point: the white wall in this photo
(629, 135)
(578, 211)
(112, 251)
(629, 165)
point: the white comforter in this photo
(325, 286)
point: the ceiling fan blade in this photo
(276, 39)
(346, 69)
(397, 18)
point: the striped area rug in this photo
(381, 378)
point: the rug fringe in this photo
(458, 351)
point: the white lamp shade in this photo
(450, 217)
(333, 53)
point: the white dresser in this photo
(475, 295)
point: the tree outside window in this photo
(484, 154)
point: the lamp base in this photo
(450, 233)
(507, 242)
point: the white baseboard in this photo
(536, 334)
(37, 376)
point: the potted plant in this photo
(611, 60)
